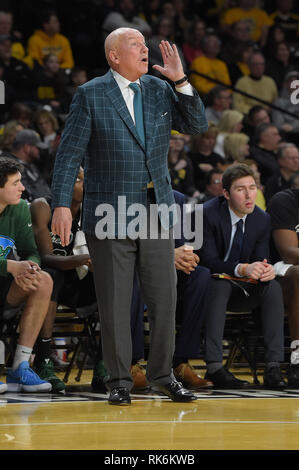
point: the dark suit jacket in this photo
(100, 130)
(217, 233)
(180, 200)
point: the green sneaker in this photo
(99, 374)
(46, 372)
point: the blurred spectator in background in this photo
(264, 149)
(256, 115)
(257, 19)
(239, 67)
(15, 72)
(288, 161)
(260, 198)
(180, 166)
(213, 185)
(191, 47)
(182, 19)
(239, 34)
(286, 19)
(256, 84)
(78, 77)
(8, 135)
(25, 148)
(163, 30)
(220, 99)
(214, 10)
(151, 11)
(203, 158)
(236, 147)
(51, 82)
(275, 36)
(48, 128)
(22, 113)
(125, 15)
(208, 64)
(49, 40)
(231, 121)
(279, 64)
(17, 48)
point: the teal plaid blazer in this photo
(100, 134)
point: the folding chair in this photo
(242, 334)
(82, 325)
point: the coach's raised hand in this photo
(172, 64)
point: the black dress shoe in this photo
(222, 378)
(176, 392)
(119, 396)
(273, 378)
(293, 376)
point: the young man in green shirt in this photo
(22, 282)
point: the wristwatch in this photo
(182, 80)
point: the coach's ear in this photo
(113, 56)
(226, 194)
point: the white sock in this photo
(22, 354)
(295, 356)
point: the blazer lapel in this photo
(149, 109)
(114, 94)
(226, 225)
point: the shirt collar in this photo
(122, 81)
(235, 218)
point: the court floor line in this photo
(72, 423)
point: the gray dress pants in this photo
(114, 262)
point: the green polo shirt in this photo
(16, 231)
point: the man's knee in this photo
(46, 283)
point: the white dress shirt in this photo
(234, 220)
(128, 93)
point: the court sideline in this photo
(255, 419)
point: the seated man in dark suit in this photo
(236, 242)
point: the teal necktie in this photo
(138, 112)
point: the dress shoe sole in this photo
(178, 399)
(119, 403)
(231, 386)
(189, 386)
(197, 388)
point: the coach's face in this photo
(130, 55)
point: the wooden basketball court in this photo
(254, 419)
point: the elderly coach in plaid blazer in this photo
(124, 155)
